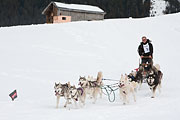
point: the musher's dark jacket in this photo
(141, 49)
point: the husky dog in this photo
(132, 76)
(92, 86)
(96, 82)
(78, 94)
(62, 90)
(136, 77)
(143, 72)
(154, 80)
(126, 87)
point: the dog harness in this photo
(75, 96)
(81, 89)
(132, 77)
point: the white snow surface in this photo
(33, 58)
(158, 7)
(79, 7)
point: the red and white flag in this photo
(13, 95)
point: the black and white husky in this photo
(92, 86)
(62, 90)
(154, 80)
(136, 77)
(78, 95)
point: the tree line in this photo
(25, 12)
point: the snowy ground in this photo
(33, 58)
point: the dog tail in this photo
(99, 77)
(69, 85)
(157, 66)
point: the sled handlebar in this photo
(147, 57)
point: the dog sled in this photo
(144, 69)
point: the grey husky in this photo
(62, 90)
(78, 95)
(92, 86)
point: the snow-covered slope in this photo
(33, 58)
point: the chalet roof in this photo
(75, 7)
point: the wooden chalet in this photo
(57, 12)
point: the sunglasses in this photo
(143, 39)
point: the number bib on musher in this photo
(146, 48)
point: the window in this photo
(63, 18)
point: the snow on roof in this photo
(79, 7)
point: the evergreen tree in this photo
(24, 12)
(173, 6)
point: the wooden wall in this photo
(79, 16)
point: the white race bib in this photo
(146, 48)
